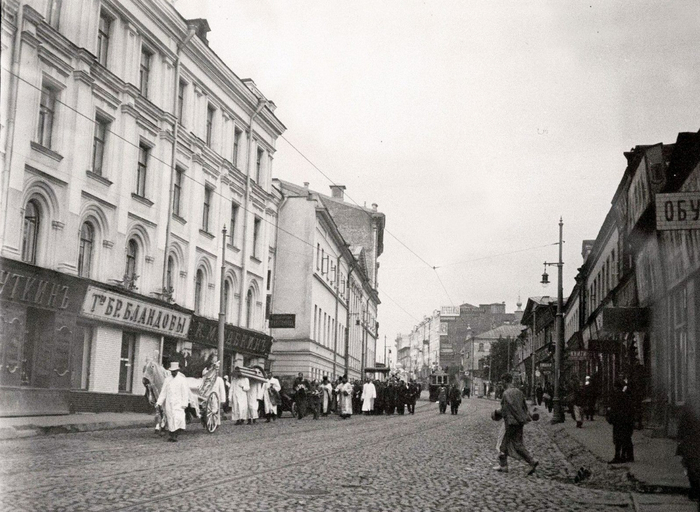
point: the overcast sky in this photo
(473, 125)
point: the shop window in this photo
(81, 355)
(87, 238)
(126, 362)
(37, 350)
(30, 236)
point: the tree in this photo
(501, 350)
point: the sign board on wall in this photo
(283, 321)
(680, 210)
(115, 308)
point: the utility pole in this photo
(222, 304)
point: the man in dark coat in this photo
(412, 396)
(301, 389)
(539, 393)
(620, 416)
(515, 416)
(454, 398)
(390, 398)
(401, 397)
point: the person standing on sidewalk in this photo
(620, 416)
(689, 443)
(515, 416)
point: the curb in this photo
(25, 431)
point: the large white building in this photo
(327, 278)
(127, 144)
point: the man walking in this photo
(174, 398)
(515, 416)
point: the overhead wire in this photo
(187, 176)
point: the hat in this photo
(174, 365)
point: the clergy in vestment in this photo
(344, 391)
(369, 393)
(238, 396)
(327, 396)
(174, 398)
(270, 391)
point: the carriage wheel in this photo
(213, 414)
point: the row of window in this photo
(327, 269)
(603, 282)
(30, 245)
(325, 328)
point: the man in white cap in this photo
(175, 397)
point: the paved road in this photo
(422, 462)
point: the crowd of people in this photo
(371, 397)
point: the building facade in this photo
(127, 146)
(327, 278)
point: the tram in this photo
(435, 380)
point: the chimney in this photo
(586, 248)
(338, 192)
(374, 206)
(201, 27)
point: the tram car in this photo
(435, 380)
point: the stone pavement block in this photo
(663, 503)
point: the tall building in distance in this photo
(326, 281)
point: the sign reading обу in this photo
(680, 210)
(123, 310)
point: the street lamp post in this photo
(222, 304)
(558, 413)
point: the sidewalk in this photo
(30, 426)
(655, 465)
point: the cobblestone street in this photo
(424, 462)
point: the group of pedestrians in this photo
(451, 396)
(371, 397)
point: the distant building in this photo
(327, 278)
(477, 351)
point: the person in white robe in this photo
(369, 393)
(255, 394)
(344, 391)
(238, 397)
(174, 399)
(271, 389)
(327, 395)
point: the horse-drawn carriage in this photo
(206, 395)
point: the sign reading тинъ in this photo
(680, 210)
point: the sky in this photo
(473, 125)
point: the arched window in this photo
(198, 283)
(132, 249)
(169, 281)
(227, 294)
(249, 308)
(87, 239)
(30, 240)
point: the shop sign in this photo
(120, 309)
(578, 355)
(283, 321)
(38, 287)
(680, 210)
(544, 366)
(236, 339)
